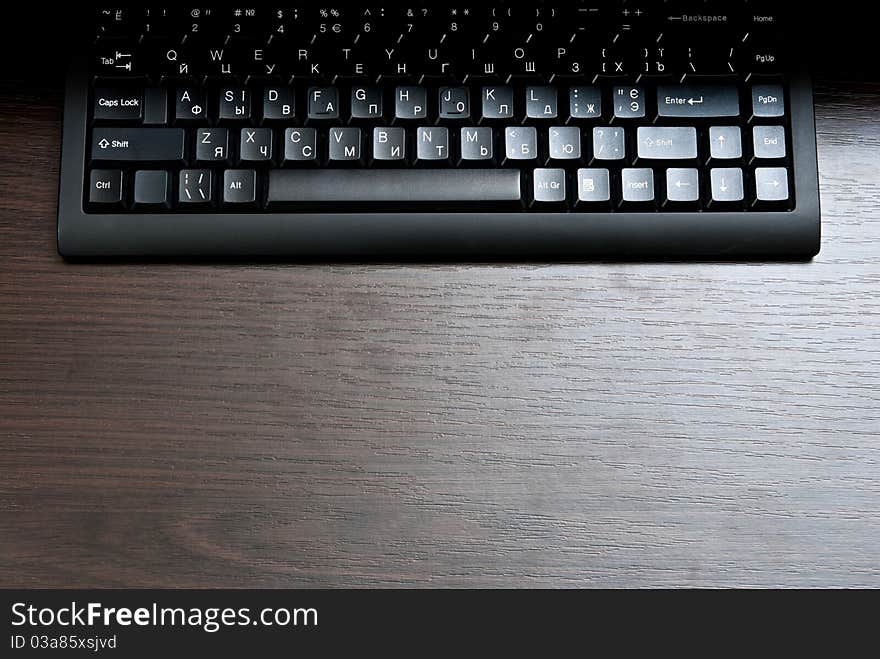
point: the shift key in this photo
(138, 144)
(697, 101)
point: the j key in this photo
(594, 185)
(768, 101)
(521, 143)
(212, 145)
(389, 144)
(255, 145)
(638, 185)
(118, 105)
(727, 184)
(565, 143)
(191, 104)
(278, 104)
(541, 103)
(608, 144)
(138, 144)
(694, 101)
(771, 183)
(323, 103)
(151, 189)
(655, 143)
(455, 103)
(432, 144)
(585, 102)
(366, 103)
(477, 144)
(549, 185)
(497, 102)
(434, 186)
(239, 187)
(682, 185)
(235, 104)
(725, 142)
(105, 186)
(411, 103)
(629, 102)
(300, 145)
(195, 186)
(345, 144)
(769, 141)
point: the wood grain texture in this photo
(459, 425)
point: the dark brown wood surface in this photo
(456, 425)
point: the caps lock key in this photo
(118, 105)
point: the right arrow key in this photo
(771, 183)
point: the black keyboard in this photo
(576, 129)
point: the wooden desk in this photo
(474, 425)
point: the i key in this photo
(235, 104)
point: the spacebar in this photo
(393, 185)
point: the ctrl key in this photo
(105, 187)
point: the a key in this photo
(195, 186)
(345, 144)
(769, 142)
(593, 185)
(637, 184)
(151, 189)
(191, 105)
(771, 183)
(521, 143)
(477, 144)
(727, 184)
(497, 102)
(366, 103)
(235, 104)
(239, 187)
(411, 103)
(541, 103)
(608, 143)
(585, 103)
(454, 103)
(255, 145)
(278, 104)
(389, 144)
(118, 105)
(694, 101)
(155, 106)
(323, 103)
(768, 101)
(565, 143)
(300, 145)
(629, 102)
(138, 144)
(682, 185)
(725, 142)
(105, 187)
(432, 144)
(212, 145)
(549, 185)
(667, 143)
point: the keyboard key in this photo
(608, 143)
(682, 185)
(656, 143)
(727, 184)
(768, 101)
(323, 103)
(239, 186)
(366, 103)
(278, 104)
(300, 145)
(521, 143)
(725, 142)
(769, 142)
(455, 103)
(118, 105)
(195, 186)
(432, 144)
(541, 103)
(235, 104)
(411, 103)
(638, 185)
(155, 106)
(389, 144)
(152, 189)
(629, 102)
(497, 103)
(255, 145)
(694, 101)
(138, 144)
(191, 104)
(565, 143)
(585, 102)
(477, 144)
(394, 185)
(549, 185)
(212, 145)
(771, 183)
(105, 186)
(594, 185)
(345, 144)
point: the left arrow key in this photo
(137, 144)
